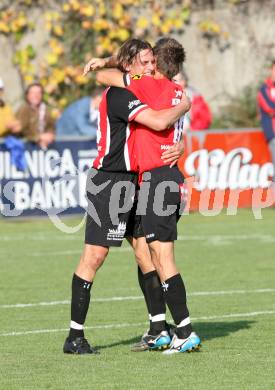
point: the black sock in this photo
(81, 291)
(175, 296)
(156, 302)
(142, 287)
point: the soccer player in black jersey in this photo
(168, 54)
(118, 109)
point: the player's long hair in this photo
(129, 50)
(170, 55)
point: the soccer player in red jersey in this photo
(143, 63)
(158, 226)
(113, 166)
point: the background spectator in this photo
(80, 117)
(199, 117)
(266, 102)
(35, 117)
(8, 123)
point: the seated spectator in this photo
(8, 123)
(80, 117)
(199, 117)
(35, 117)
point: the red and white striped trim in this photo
(108, 142)
(136, 111)
(126, 150)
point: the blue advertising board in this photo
(53, 181)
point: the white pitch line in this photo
(234, 315)
(72, 252)
(231, 292)
(137, 297)
(128, 325)
(194, 237)
(66, 302)
(213, 240)
(239, 237)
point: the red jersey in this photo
(116, 132)
(149, 144)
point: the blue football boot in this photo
(190, 344)
(158, 342)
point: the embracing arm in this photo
(173, 154)
(163, 119)
(110, 77)
(100, 63)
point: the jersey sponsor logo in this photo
(175, 101)
(178, 93)
(165, 147)
(118, 233)
(133, 103)
(136, 76)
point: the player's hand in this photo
(94, 64)
(186, 101)
(173, 154)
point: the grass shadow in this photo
(212, 330)
(206, 331)
(128, 342)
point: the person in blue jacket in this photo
(80, 117)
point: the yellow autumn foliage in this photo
(142, 22)
(117, 12)
(51, 58)
(56, 47)
(99, 27)
(58, 75)
(87, 10)
(75, 5)
(58, 30)
(4, 28)
(81, 80)
(28, 78)
(100, 24)
(87, 24)
(66, 7)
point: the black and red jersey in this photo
(116, 134)
(149, 144)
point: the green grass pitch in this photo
(228, 264)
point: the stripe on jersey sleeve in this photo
(126, 150)
(127, 79)
(136, 111)
(107, 144)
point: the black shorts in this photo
(164, 204)
(110, 198)
(134, 226)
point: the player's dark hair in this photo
(170, 55)
(128, 52)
